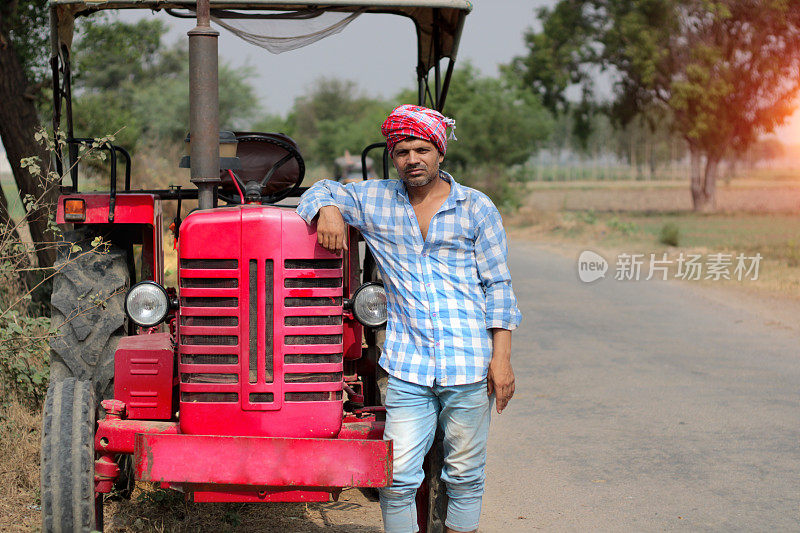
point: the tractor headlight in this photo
(147, 304)
(369, 304)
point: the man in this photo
(441, 249)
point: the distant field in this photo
(777, 235)
(613, 218)
(751, 195)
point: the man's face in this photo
(417, 161)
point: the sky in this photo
(376, 51)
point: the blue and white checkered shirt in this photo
(444, 293)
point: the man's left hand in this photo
(500, 381)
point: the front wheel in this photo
(69, 503)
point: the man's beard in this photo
(407, 179)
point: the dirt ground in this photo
(154, 510)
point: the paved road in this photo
(642, 406)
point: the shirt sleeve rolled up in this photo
(329, 192)
(491, 252)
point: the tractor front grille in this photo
(313, 338)
(210, 321)
(267, 310)
(209, 342)
(210, 264)
(313, 358)
(212, 301)
(210, 283)
(313, 320)
(260, 329)
(211, 314)
(209, 359)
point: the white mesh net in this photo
(290, 30)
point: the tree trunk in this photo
(731, 170)
(697, 178)
(18, 124)
(710, 182)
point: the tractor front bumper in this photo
(262, 461)
(207, 464)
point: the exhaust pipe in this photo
(204, 105)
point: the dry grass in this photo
(19, 468)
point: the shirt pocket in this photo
(454, 236)
(386, 227)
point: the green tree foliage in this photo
(332, 117)
(128, 80)
(497, 123)
(722, 71)
(26, 29)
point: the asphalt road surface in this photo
(642, 406)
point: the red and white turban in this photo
(420, 122)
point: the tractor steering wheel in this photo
(255, 188)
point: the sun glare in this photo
(789, 133)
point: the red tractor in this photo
(254, 380)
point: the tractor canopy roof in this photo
(438, 22)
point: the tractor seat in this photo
(257, 153)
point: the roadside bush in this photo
(25, 326)
(669, 234)
(24, 322)
(792, 253)
(497, 183)
(24, 360)
(624, 227)
(587, 217)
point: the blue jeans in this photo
(412, 412)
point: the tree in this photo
(23, 51)
(127, 80)
(332, 117)
(497, 123)
(724, 71)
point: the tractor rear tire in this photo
(88, 302)
(67, 483)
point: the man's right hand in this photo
(331, 229)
